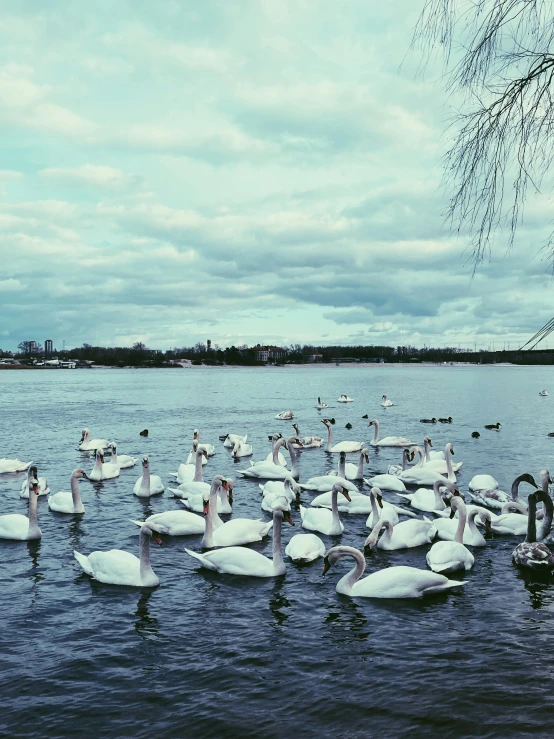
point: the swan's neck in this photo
(427, 454)
(77, 503)
(421, 458)
(114, 456)
(207, 540)
(376, 432)
(531, 519)
(404, 460)
(451, 476)
(548, 512)
(346, 583)
(145, 486)
(342, 467)
(198, 468)
(275, 446)
(360, 470)
(462, 518)
(329, 437)
(439, 502)
(293, 461)
(146, 571)
(515, 489)
(471, 522)
(98, 464)
(336, 525)
(33, 519)
(374, 510)
(278, 564)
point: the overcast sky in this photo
(245, 171)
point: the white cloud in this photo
(94, 175)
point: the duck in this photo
(476, 434)
(445, 420)
(345, 399)
(235, 532)
(531, 553)
(241, 449)
(385, 402)
(32, 474)
(177, 523)
(118, 567)
(351, 471)
(238, 560)
(123, 461)
(271, 471)
(274, 489)
(452, 556)
(391, 582)
(103, 470)
(305, 548)
(16, 526)
(483, 490)
(323, 520)
(144, 432)
(447, 528)
(147, 484)
(308, 442)
(388, 440)
(87, 444)
(428, 420)
(348, 426)
(343, 446)
(404, 535)
(492, 426)
(8, 466)
(388, 510)
(285, 416)
(320, 406)
(430, 501)
(70, 503)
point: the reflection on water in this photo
(538, 585)
(278, 603)
(36, 576)
(75, 530)
(146, 625)
(347, 623)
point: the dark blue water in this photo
(206, 655)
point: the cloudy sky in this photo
(241, 170)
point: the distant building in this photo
(315, 357)
(209, 344)
(32, 347)
(270, 353)
(48, 347)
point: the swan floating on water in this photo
(103, 470)
(447, 528)
(69, 502)
(452, 556)
(345, 399)
(307, 442)
(285, 416)
(16, 527)
(305, 548)
(430, 501)
(544, 393)
(32, 474)
(388, 440)
(87, 444)
(123, 461)
(147, 484)
(385, 402)
(323, 520)
(403, 535)
(349, 447)
(8, 466)
(349, 470)
(320, 405)
(271, 471)
(391, 582)
(532, 553)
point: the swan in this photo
(87, 444)
(305, 548)
(274, 489)
(508, 523)
(123, 461)
(404, 535)
(323, 500)
(345, 399)
(392, 582)
(451, 556)
(431, 455)
(419, 475)
(396, 469)
(13, 465)
(242, 561)
(177, 523)
(32, 473)
(388, 510)
(483, 482)
(386, 482)
(325, 483)
(385, 402)
(196, 486)
(285, 416)
(117, 567)
(351, 471)
(343, 446)
(544, 393)
(532, 553)
(493, 497)
(441, 465)
(235, 532)
(308, 442)
(324, 520)
(147, 484)
(388, 440)
(224, 502)
(69, 502)
(192, 472)
(102, 470)
(447, 528)
(229, 440)
(274, 455)
(17, 527)
(241, 449)
(271, 471)
(429, 501)
(209, 448)
(320, 406)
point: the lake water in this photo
(206, 655)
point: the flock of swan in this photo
(414, 503)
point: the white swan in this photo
(275, 489)
(324, 520)
(308, 442)
(101, 470)
(532, 553)
(452, 556)
(403, 535)
(325, 483)
(16, 527)
(351, 471)
(344, 399)
(123, 461)
(32, 474)
(483, 482)
(544, 393)
(274, 455)
(229, 440)
(224, 503)
(386, 482)
(388, 510)
(385, 402)
(235, 532)
(271, 471)
(285, 416)
(424, 475)
(117, 567)
(177, 523)
(447, 528)
(87, 444)
(236, 560)
(396, 469)
(208, 448)
(320, 406)
(192, 472)
(343, 446)
(69, 502)
(392, 582)
(430, 501)
(241, 449)
(511, 524)
(8, 466)
(147, 484)
(431, 455)
(492, 497)
(323, 500)
(441, 465)
(388, 440)
(305, 548)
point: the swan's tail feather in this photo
(448, 585)
(307, 487)
(266, 529)
(202, 559)
(178, 493)
(408, 496)
(137, 523)
(83, 561)
(404, 511)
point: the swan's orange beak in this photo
(288, 519)
(348, 498)
(157, 538)
(206, 507)
(225, 484)
(35, 487)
